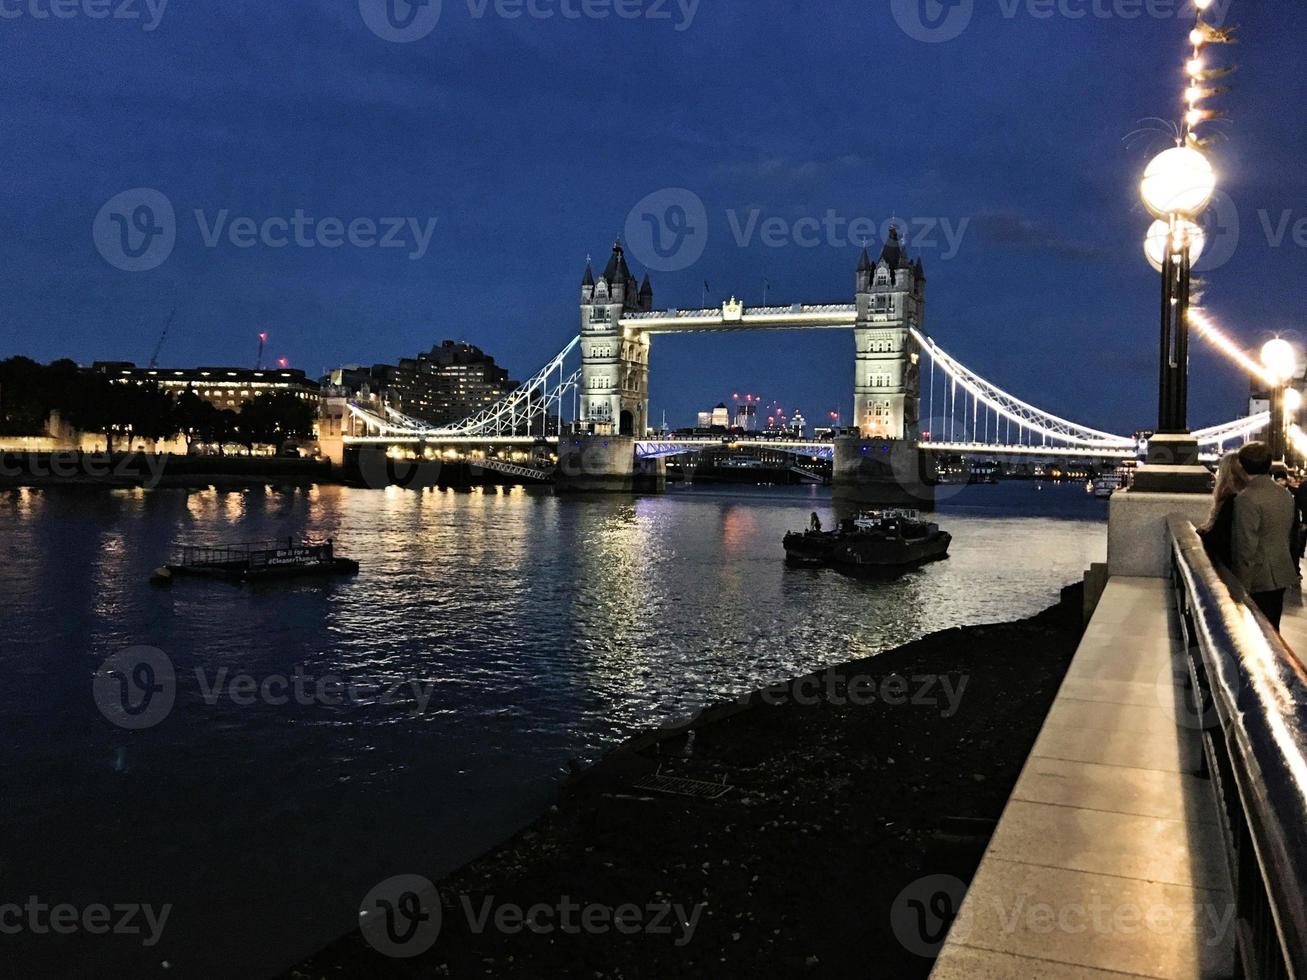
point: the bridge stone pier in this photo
(877, 462)
(606, 464)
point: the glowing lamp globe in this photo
(1292, 401)
(1178, 181)
(1280, 359)
(1159, 235)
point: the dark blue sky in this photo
(529, 141)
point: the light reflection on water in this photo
(549, 629)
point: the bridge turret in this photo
(588, 283)
(865, 272)
(646, 295)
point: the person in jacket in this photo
(1218, 532)
(1263, 529)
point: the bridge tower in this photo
(614, 363)
(891, 297)
(614, 387)
(883, 463)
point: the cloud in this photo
(1016, 230)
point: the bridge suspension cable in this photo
(999, 405)
(516, 414)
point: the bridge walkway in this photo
(1109, 858)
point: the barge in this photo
(257, 562)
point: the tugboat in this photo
(875, 541)
(257, 562)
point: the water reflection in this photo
(548, 627)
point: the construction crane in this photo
(258, 363)
(154, 358)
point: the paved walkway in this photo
(1108, 860)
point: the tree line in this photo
(90, 402)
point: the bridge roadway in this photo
(664, 448)
(1153, 832)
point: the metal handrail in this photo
(1256, 749)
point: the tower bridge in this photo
(912, 400)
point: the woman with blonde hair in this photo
(1218, 532)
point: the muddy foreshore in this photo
(844, 787)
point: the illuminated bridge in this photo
(913, 401)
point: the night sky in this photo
(529, 141)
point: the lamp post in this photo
(1281, 363)
(1177, 187)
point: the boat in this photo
(1103, 487)
(257, 562)
(874, 541)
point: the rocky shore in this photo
(815, 804)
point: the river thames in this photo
(491, 638)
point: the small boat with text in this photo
(257, 562)
(875, 541)
(1104, 486)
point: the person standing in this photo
(1263, 529)
(1218, 532)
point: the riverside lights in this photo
(1280, 359)
(1161, 235)
(1179, 181)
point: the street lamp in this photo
(1281, 363)
(1176, 188)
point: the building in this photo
(891, 298)
(615, 364)
(446, 384)
(223, 387)
(746, 417)
(798, 424)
